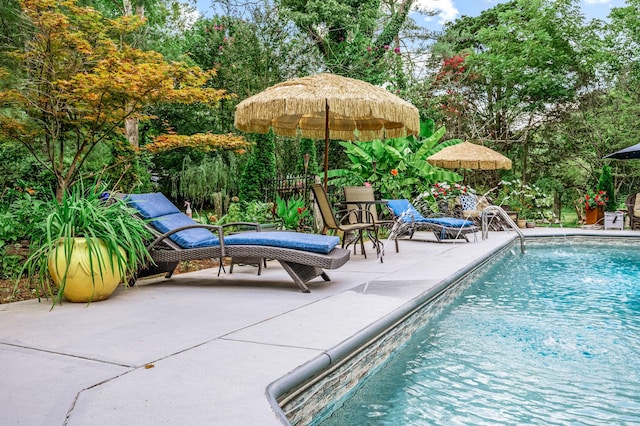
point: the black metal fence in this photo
(287, 187)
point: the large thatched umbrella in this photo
(467, 155)
(328, 106)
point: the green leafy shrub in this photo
(19, 220)
(243, 211)
(606, 184)
(293, 212)
(10, 263)
(396, 168)
(531, 201)
(260, 168)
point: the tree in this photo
(260, 169)
(513, 68)
(603, 119)
(606, 184)
(161, 17)
(355, 38)
(78, 82)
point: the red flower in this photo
(394, 172)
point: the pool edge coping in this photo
(317, 367)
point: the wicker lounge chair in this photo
(444, 228)
(179, 238)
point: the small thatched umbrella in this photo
(328, 106)
(467, 155)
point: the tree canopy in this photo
(78, 81)
(530, 78)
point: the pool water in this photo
(548, 337)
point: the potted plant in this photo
(87, 245)
(593, 202)
(446, 195)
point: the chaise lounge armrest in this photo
(242, 226)
(163, 238)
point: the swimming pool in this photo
(547, 337)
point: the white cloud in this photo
(447, 11)
(597, 1)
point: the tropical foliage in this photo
(293, 213)
(396, 168)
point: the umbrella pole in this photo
(326, 144)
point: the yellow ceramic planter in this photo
(84, 282)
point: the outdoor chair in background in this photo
(362, 198)
(470, 210)
(472, 207)
(444, 228)
(341, 222)
(633, 210)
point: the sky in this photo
(452, 9)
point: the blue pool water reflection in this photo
(548, 337)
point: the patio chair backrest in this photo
(403, 206)
(468, 202)
(322, 200)
(164, 216)
(356, 194)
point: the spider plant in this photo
(115, 238)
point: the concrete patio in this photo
(198, 349)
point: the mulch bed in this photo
(9, 292)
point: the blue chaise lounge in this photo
(409, 219)
(179, 238)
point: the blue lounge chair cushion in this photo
(403, 206)
(293, 240)
(450, 222)
(165, 216)
(189, 238)
(152, 205)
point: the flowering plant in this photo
(593, 200)
(394, 184)
(528, 199)
(445, 191)
(292, 212)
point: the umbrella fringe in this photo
(376, 112)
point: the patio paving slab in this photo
(201, 349)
